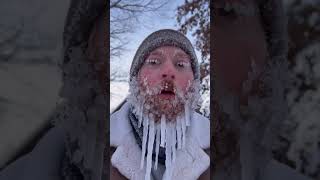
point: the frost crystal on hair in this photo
(140, 115)
(178, 129)
(150, 149)
(163, 130)
(173, 129)
(172, 135)
(187, 113)
(157, 145)
(144, 140)
(169, 144)
(183, 127)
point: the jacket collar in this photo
(190, 163)
(120, 127)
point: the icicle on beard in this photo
(164, 121)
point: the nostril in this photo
(164, 75)
(172, 76)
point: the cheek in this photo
(183, 81)
(148, 75)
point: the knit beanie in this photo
(164, 37)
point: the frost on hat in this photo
(164, 37)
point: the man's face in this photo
(238, 39)
(165, 78)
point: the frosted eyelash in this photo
(152, 61)
(184, 64)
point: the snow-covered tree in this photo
(298, 144)
(194, 17)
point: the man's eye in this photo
(153, 61)
(182, 64)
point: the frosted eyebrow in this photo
(156, 53)
(181, 55)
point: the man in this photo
(249, 63)
(156, 133)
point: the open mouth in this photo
(168, 90)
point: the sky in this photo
(151, 22)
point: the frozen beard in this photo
(165, 113)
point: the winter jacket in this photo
(190, 164)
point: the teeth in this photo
(166, 86)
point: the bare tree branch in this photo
(125, 14)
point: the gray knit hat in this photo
(164, 37)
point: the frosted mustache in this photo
(164, 85)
